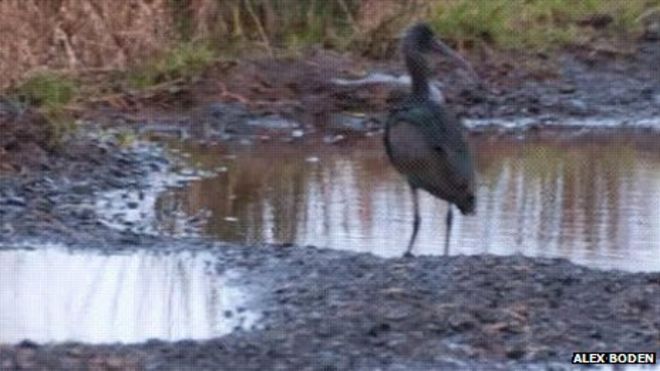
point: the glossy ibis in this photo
(424, 140)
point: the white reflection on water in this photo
(54, 295)
(596, 202)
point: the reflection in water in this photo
(596, 202)
(53, 295)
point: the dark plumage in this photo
(425, 141)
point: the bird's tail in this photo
(467, 204)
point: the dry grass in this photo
(78, 34)
(98, 35)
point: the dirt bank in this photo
(314, 91)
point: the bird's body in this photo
(426, 142)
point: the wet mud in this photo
(329, 94)
(324, 309)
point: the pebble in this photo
(567, 89)
(334, 139)
(14, 201)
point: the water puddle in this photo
(52, 295)
(595, 201)
(651, 124)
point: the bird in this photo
(424, 140)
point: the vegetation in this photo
(51, 93)
(182, 62)
(372, 27)
(47, 89)
(538, 25)
(165, 40)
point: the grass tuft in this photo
(182, 62)
(47, 89)
(51, 93)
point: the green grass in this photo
(534, 24)
(47, 89)
(182, 62)
(50, 93)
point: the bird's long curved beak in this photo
(441, 48)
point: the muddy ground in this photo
(333, 310)
(326, 309)
(303, 94)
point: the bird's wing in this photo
(428, 145)
(443, 131)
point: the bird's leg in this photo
(416, 221)
(448, 235)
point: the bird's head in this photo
(419, 38)
(420, 41)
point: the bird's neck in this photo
(419, 74)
